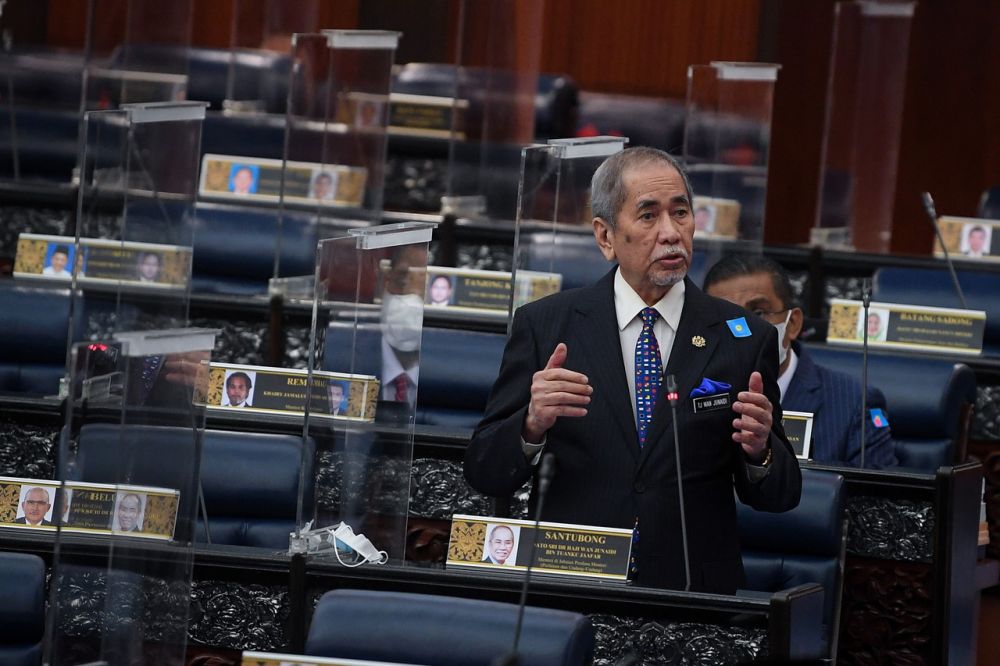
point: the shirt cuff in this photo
(533, 452)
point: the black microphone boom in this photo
(866, 300)
(546, 470)
(932, 216)
(673, 398)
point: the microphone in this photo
(673, 398)
(866, 299)
(546, 470)
(933, 217)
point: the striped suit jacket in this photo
(602, 476)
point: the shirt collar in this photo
(628, 304)
(392, 368)
(785, 378)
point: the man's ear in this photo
(795, 323)
(603, 233)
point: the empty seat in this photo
(22, 613)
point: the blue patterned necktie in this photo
(648, 373)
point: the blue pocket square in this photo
(709, 387)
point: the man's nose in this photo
(668, 231)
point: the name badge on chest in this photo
(710, 403)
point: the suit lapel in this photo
(596, 316)
(687, 361)
(803, 394)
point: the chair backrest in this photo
(421, 629)
(22, 613)
(933, 286)
(34, 323)
(804, 545)
(250, 480)
(989, 204)
(928, 400)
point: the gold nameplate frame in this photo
(266, 390)
(503, 544)
(969, 238)
(276, 659)
(716, 218)
(911, 327)
(111, 263)
(798, 428)
(258, 180)
(476, 291)
(89, 508)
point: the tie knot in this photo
(649, 316)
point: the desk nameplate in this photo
(277, 659)
(475, 291)
(911, 327)
(969, 238)
(502, 544)
(798, 428)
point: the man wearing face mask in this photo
(401, 321)
(834, 398)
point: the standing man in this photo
(760, 285)
(35, 505)
(581, 378)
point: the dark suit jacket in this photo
(602, 477)
(24, 521)
(834, 398)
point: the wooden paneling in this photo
(644, 47)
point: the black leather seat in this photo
(34, 324)
(409, 628)
(22, 613)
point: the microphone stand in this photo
(673, 398)
(932, 216)
(546, 470)
(866, 299)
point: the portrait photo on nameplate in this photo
(504, 544)
(99, 262)
(268, 390)
(906, 327)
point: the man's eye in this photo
(648, 216)
(681, 212)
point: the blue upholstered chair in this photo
(804, 545)
(933, 286)
(22, 613)
(989, 204)
(250, 480)
(34, 323)
(423, 629)
(929, 401)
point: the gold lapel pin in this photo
(698, 341)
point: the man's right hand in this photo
(555, 392)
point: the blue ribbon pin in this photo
(739, 327)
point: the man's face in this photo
(35, 505)
(321, 187)
(242, 180)
(440, 290)
(701, 219)
(501, 544)
(128, 512)
(653, 235)
(977, 240)
(336, 396)
(237, 390)
(59, 261)
(149, 267)
(874, 324)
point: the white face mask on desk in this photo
(782, 349)
(402, 320)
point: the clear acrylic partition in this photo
(864, 119)
(554, 232)
(727, 143)
(367, 323)
(335, 131)
(259, 32)
(135, 377)
(493, 114)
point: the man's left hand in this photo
(753, 427)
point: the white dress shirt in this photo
(785, 378)
(392, 368)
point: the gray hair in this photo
(607, 187)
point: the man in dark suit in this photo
(35, 505)
(760, 285)
(580, 378)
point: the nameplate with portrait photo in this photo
(277, 659)
(98, 262)
(969, 238)
(716, 218)
(798, 428)
(267, 390)
(89, 508)
(476, 291)
(426, 115)
(504, 545)
(912, 327)
(258, 180)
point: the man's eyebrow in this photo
(643, 204)
(758, 302)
